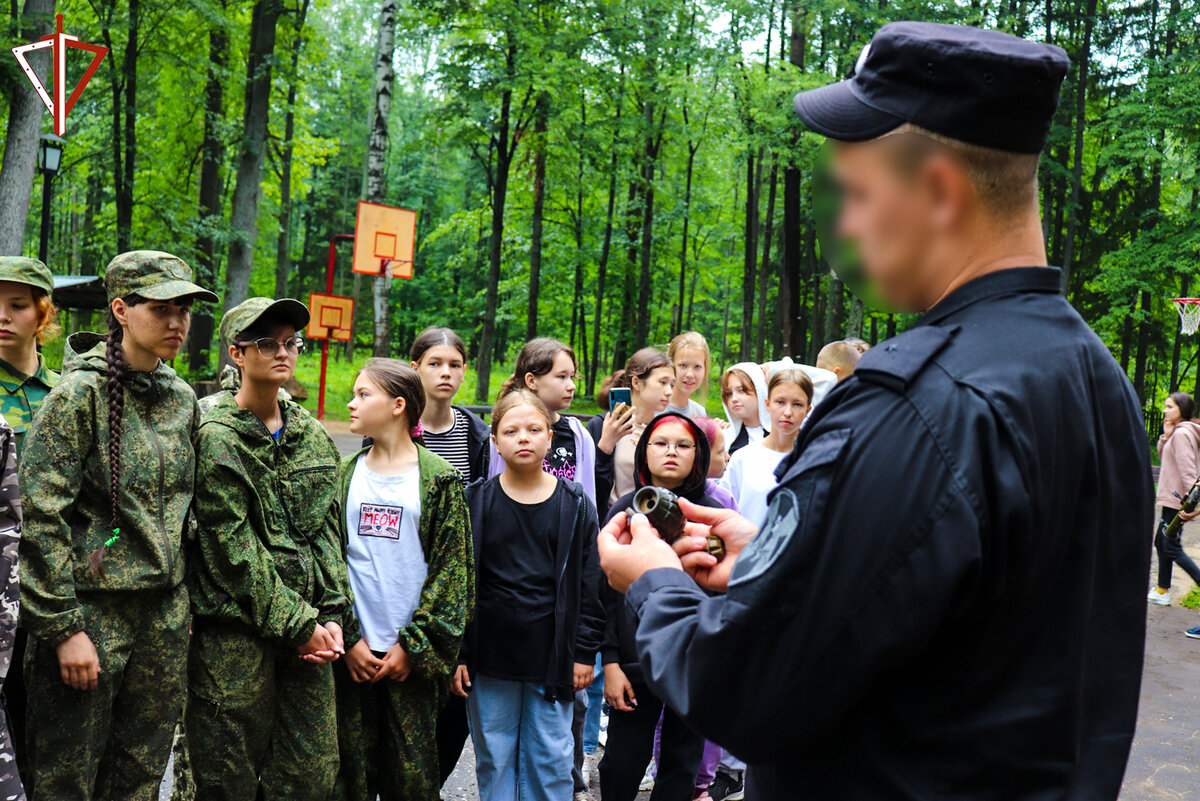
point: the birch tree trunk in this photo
(377, 151)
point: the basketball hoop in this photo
(1189, 314)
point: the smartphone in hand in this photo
(619, 395)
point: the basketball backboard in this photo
(383, 240)
(331, 317)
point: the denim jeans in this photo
(523, 744)
(1170, 552)
(591, 724)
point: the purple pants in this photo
(708, 762)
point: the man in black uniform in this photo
(947, 598)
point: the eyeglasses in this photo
(661, 447)
(267, 347)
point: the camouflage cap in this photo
(154, 275)
(22, 270)
(250, 311)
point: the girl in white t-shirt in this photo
(750, 476)
(408, 550)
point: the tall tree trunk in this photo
(764, 269)
(606, 247)
(541, 116)
(642, 327)
(1176, 345)
(687, 216)
(243, 214)
(129, 77)
(283, 247)
(377, 153)
(750, 259)
(504, 153)
(23, 131)
(1077, 157)
(212, 152)
(633, 220)
(792, 264)
(1143, 349)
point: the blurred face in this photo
(788, 406)
(740, 397)
(441, 369)
(556, 388)
(1171, 413)
(371, 410)
(270, 359)
(689, 370)
(523, 438)
(718, 458)
(671, 454)
(155, 327)
(19, 315)
(895, 216)
(654, 392)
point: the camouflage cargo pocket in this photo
(228, 668)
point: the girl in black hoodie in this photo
(673, 453)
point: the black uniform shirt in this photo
(948, 597)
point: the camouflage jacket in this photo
(10, 538)
(230, 381)
(433, 638)
(20, 395)
(268, 557)
(64, 480)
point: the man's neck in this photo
(992, 251)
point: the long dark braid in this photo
(115, 384)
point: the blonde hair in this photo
(792, 376)
(511, 400)
(839, 354)
(743, 378)
(692, 340)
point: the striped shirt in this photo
(454, 444)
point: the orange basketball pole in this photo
(328, 291)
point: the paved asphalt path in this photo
(1165, 761)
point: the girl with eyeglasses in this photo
(673, 453)
(270, 594)
(107, 474)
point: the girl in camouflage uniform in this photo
(407, 542)
(268, 583)
(107, 473)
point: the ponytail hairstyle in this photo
(640, 366)
(432, 337)
(398, 380)
(114, 355)
(536, 357)
(514, 398)
(692, 340)
(793, 375)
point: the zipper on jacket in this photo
(162, 470)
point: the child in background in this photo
(462, 439)
(744, 395)
(453, 433)
(537, 626)
(672, 453)
(407, 543)
(839, 358)
(750, 476)
(718, 461)
(650, 378)
(546, 367)
(689, 353)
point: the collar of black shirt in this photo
(1002, 282)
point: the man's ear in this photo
(237, 356)
(952, 195)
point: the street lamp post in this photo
(49, 160)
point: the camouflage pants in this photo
(260, 721)
(112, 742)
(387, 738)
(10, 603)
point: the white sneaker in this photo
(1160, 598)
(587, 772)
(648, 779)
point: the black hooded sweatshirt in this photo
(619, 627)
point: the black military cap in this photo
(977, 86)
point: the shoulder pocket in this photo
(768, 566)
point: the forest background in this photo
(606, 172)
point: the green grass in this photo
(1192, 599)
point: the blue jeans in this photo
(591, 724)
(523, 744)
